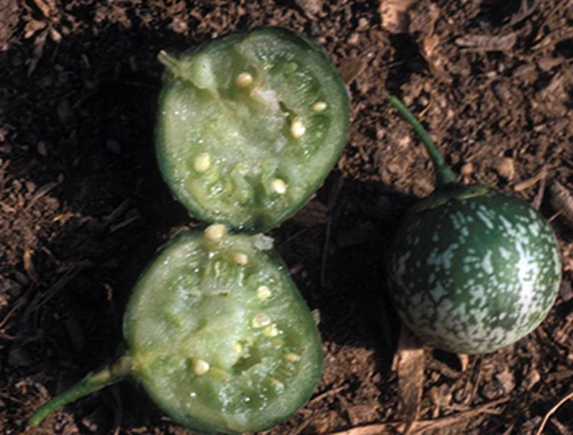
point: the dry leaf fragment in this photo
(352, 67)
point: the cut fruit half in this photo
(249, 126)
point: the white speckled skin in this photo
(476, 274)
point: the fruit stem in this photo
(167, 60)
(444, 174)
(108, 375)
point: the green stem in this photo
(108, 375)
(444, 174)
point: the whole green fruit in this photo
(472, 269)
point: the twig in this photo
(16, 306)
(331, 204)
(423, 425)
(553, 411)
(536, 203)
(328, 393)
(531, 181)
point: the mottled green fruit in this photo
(473, 273)
(249, 126)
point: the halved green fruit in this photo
(218, 335)
(249, 126)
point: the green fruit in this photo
(249, 126)
(473, 269)
(218, 335)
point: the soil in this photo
(83, 207)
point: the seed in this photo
(263, 292)
(277, 383)
(240, 258)
(201, 367)
(319, 106)
(244, 79)
(297, 128)
(261, 320)
(291, 67)
(292, 357)
(279, 186)
(215, 232)
(278, 342)
(270, 331)
(238, 347)
(202, 162)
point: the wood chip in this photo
(310, 7)
(487, 43)
(394, 15)
(44, 7)
(313, 213)
(29, 266)
(410, 367)
(464, 361)
(41, 192)
(505, 167)
(561, 199)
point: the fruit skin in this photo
(260, 217)
(473, 269)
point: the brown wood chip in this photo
(561, 199)
(487, 43)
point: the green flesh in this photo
(246, 129)
(196, 305)
(473, 273)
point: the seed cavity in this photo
(261, 321)
(291, 357)
(271, 331)
(279, 186)
(202, 162)
(244, 79)
(263, 292)
(215, 232)
(297, 128)
(240, 258)
(319, 106)
(201, 367)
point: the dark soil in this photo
(83, 208)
